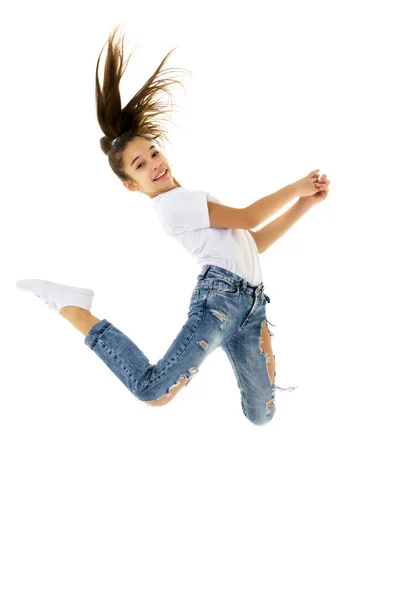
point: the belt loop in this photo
(204, 271)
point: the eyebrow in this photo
(141, 155)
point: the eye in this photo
(154, 154)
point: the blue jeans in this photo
(225, 311)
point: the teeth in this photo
(161, 174)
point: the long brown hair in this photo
(138, 117)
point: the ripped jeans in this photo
(225, 312)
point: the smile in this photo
(162, 176)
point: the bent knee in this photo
(266, 418)
(262, 417)
(173, 390)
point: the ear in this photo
(130, 186)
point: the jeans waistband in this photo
(243, 285)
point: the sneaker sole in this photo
(38, 284)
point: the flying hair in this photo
(141, 116)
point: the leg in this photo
(266, 347)
(250, 354)
(80, 318)
(168, 397)
(157, 384)
(83, 320)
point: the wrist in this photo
(294, 189)
(305, 203)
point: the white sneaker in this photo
(56, 295)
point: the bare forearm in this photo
(266, 207)
(268, 235)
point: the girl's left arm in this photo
(266, 236)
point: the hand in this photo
(308, 185)
(321, 195)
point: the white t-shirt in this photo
(184, 216)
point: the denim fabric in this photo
(225, 312)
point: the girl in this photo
(227, 306)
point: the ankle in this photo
(80, 318)
(74, 310)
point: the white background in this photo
(103, 499)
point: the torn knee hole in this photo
(183, 380)
(268, 355)
(176, 387)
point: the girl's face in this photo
(143, 161)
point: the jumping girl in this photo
(228, 305)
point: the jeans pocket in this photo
(195, 297)
(225, 288)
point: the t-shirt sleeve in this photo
(186, 211)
